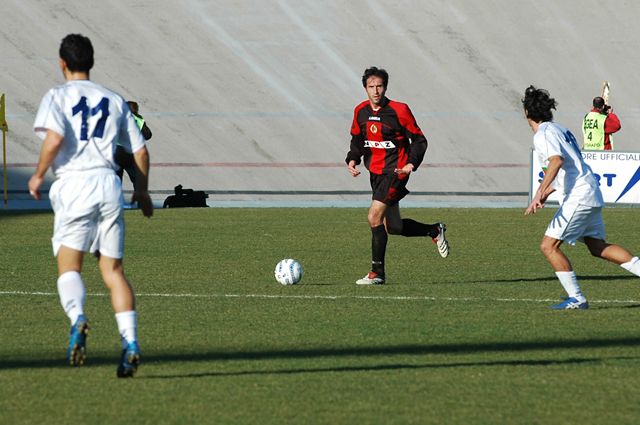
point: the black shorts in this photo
(123, 158)
(388, 188)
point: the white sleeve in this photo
(540, 146)
(546, 145)
(49, 116)
(553, 141)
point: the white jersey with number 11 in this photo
(92, 119)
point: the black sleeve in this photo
(356, 150)
(417, 150)
(146, 131)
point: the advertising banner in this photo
(617, 172)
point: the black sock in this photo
(414, 228)
(378, 248)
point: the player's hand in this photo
(144, 202)
(34, 186)
(535, 205)
(407, 169)
(352, 168)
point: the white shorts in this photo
(88, 213)
(573, 222)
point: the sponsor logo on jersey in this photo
(386, 144)
(373, 129)
(374, 119)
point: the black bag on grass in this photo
(186, 198)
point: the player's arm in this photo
(356, 148)
(48, 152)
(141, 189)
(545, 189)
(419, 144)
(417, 151)
(355, 154)
(612, 123)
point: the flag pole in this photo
(5, 128)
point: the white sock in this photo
(72, 294)
(127, 327)
(570, 284)
(633, 266)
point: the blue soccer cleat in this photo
(571, 303)
(129, 361)
(77, 352)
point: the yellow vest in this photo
(593, 131)
(139, 121)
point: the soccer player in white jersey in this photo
(80, 123)
(580, 214)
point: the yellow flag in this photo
(3, 120)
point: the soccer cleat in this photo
(77, 352)
(129, 361)
(441, 241)
(571, 304)
(371, 278)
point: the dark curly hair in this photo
(375, 72)
(538, 104)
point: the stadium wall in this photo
(252, 99)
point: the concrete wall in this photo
(258, 96)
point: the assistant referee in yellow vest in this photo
(598, 126)
(122, 157)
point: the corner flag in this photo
(3, 120)
(4, 128)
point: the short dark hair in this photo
(77, 52)
(598, 103)
(375, 72)
(133, 106)
(538, 104)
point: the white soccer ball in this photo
(288, 272)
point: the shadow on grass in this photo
(385, 351)
(375, 368)
(614, 307)
(24, 212)
(551, 278)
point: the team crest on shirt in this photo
(373, 128)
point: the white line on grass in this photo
(330, 297)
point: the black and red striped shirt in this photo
(388, 138)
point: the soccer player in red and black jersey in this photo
(386, 134)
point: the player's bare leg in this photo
(112, 270)
(614, 253)
(560, 263)
(69, 259)
(610, 252)
(377, 213)
(550, 247)
(123, 302)
(72, 294)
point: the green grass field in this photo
(467, 339)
